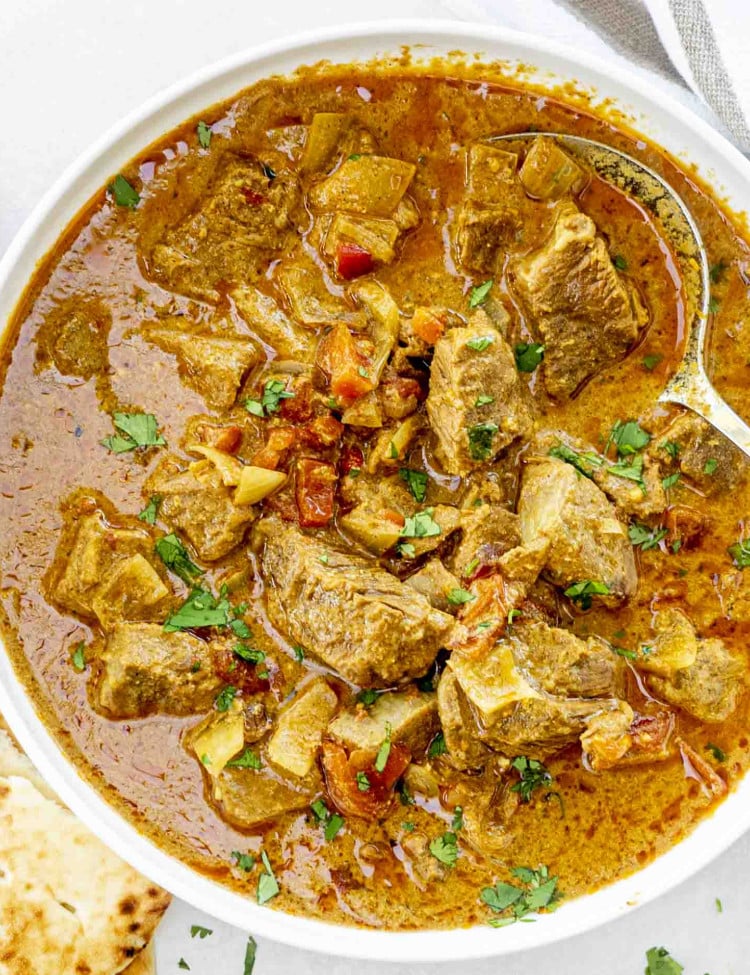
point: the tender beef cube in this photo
(522, 565)
(299, 730)
(488, 532)
(89, 551)
(488, 804)
(470, 431)
(273, 327)
(133, 592)
(197, 502)
(560, 663)
(706, 457)
(241, 222)
(583, 312)
(411, 716)
(74, 338)
(586, 540)
(698, 675)
(539, 727)
(548, 172)
(354, 616)
(465, 750)
(491, 216)
(247, 797)
(618, 737)
(146, 670)
(213, 365)
(435, 582)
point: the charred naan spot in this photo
(128, 905)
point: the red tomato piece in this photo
(353, 260)
(341, 360)
(315, 488)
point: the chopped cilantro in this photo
(581, 592)
(483, 400)
(408, 826)
(245, 861)
(363, 372)
(670, 481)
(457, 823)
(224, 698)
(273, 393)
(420, 525)
(512, 615)
(404, 795)
(406, 550)
(174, 555)
(416, 481)
(135, 430)
(254, 406)
(204, 134)
(672, 448)
(363, 783)
(479, 293)
(528, 356)
(624, 652)
(660, 962)
(650, 362)
(331, 822)
(628, 437)
(645, 537)
(368, 697)
(716, 272)
(582, 462)
(714, 305)
(151, 512)
(717, 753)
(124, 194)
(299, 652)
(249, 654)
(719, 906)
(381, 759)
(710, 466)
(268, 886)
(200, 609)
(323, 559)
(392, 451)
(740, 553)
(445, 848)
(250, 953)
(480, 344)
(183, 965)
(481, 436)
(534, 775)
(79, 657)
(539, 890)
(437, 746)
(247, 759)
(200, 931)
(619, 262)
(457, 597)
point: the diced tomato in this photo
(298, 408)
(315, 488)
(428, 324)
(280, 439)
(395, 517)
(353, 260)
(346, 367)
(341, 779)
(283, 503)
(352, 459)
(239, 673)
(251, 197)
(227, 439)
(323, 431)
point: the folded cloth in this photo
(698, 45)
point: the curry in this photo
(346, 548)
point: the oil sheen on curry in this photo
(345, 546)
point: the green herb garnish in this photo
(135, 430)
(528, 356)
(204, 134)
(174, 555)
(534, 775)
(248, 758)
(363, 783)
(124, 194)
(445, 848)
(479, 293)
(660, 962)
(416, 481)
(201, 932)
(200, 609)
(268, 886)
(79, 657)
(437, 746)
(581, 592)
(151, 512)
(539, 890)
(457, 597)
(480, 344)
(481, 436)
(420, 525)
(645, 537)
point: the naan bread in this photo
(68, 906)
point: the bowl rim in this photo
(42, 227)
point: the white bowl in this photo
(658, 117)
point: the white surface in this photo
(58, 92)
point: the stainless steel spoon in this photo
(690, 385)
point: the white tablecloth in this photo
(67, 71)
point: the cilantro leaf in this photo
(381, 759)
(437, 746)
(582, 462)
(224, 698)
(136, 430)
(534, 775)
(174, 555)
(247, 759)
(368, 697)
(249, 654)
(710, 466)
(740, 553)
(717, 753)
(619, 262)
(445, 848)
(250, 953)
(124, 194)
(151, 512)
(650, 362)
(197, 929)
(628, 437)
(457, 597)
(581, 592)
(416, 481)
(528, 356)
(245, 861)
(660, 962)
(183, 965)
(540, 891)
(483, 400)
(457, 823)
(200, 609)
(363, 783)
(420, 525)
(644, 537)
(670, 481)
(481, 436)
(79, 657)
(268, 886)
(480, 344)
(273, 393)
(479, 293)
(672, 448)
(204, 134)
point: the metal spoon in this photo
(690, 385)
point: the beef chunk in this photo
(134, 591)
(586, 540)
(705, 456)
(247, 797)
(491, 216)
(583, 312)
(618, 737)
(197, 502)
(241, 222)
(214, 365)
(299, 730)
(488, 532)
(74, 338)
(560, 663)
(273, 327)
(698, 675)
(89, 552)
(465, 750)
(470, 430)
(354, 616)
(434, 581)
(411, 716)
(146, 670)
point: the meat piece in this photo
(213, 365)
(411, 716)
(586, 540)
(239, 223)
(88, 554)
(198, 502)
(477, 404)
(705, 456)
(133, 592)
(584, 314)
(488, 531)
(73, 336)
(488, 805)
(354, 616)
(146, 670)
(560, 663)
(698, 675)
(247, 797)
(435, 582)
(272, 326)
(294, 744)
(618, 737)
(465, 750)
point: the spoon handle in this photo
(703, 399)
